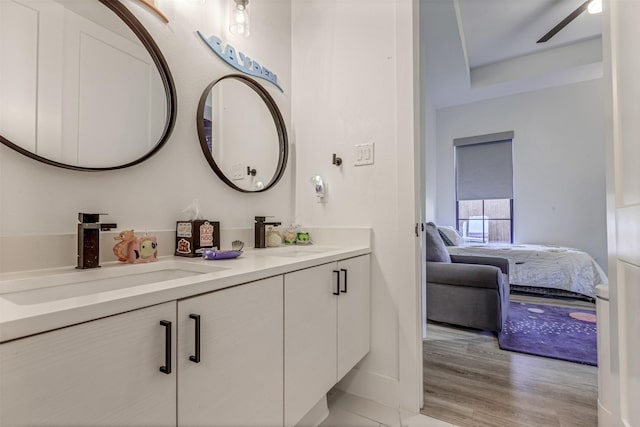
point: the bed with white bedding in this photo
(544, 266)
(540, 266)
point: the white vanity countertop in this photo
(20, 317)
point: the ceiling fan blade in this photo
(573, 15)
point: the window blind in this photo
(484, 167)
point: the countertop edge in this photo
(25, 321)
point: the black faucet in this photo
(89, 239)
(260, 240)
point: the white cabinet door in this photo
(100, 373)
(354, 305)
(239, 377)
(310, 315)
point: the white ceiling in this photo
(479, 49)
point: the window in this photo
(485, 221)
(484, 188)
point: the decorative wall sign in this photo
(152, 5)
(239, 60)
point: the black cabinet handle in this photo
(166, 369)
(337, 292)
(196, 358)
(345, 280)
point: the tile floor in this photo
(346, 410)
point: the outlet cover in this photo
(238, 171)
(364, 154)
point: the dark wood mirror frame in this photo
(167, 80)
(283, 149)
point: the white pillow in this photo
(452, 234)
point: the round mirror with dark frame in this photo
(242, 133)
(84, 87)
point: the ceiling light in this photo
(595, 6)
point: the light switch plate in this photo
(364, 154)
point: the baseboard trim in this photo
(605, 417)
(372, 386)
(316, 415)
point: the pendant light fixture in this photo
(239, 20)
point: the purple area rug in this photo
(550, 331)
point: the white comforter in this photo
(544, 266)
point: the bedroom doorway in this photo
(465, 369)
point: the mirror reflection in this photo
(242, 133)
(79, 88)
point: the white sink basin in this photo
(77, 283)
(293, 251)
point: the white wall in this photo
(349, 75)
(559, 163)
(40, 199)
(430, 141)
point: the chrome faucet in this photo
(89, 239)
(260, 231)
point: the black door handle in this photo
(196, 358)
(166, 369)
(345, 280)
(337, 292)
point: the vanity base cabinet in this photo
(236, 377)
(99, 373)
(354, 313)
(261, 353)
(326, 330)
(310, 343)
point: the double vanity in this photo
(257, 340)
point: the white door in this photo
(31, 51)
(624, 210)
(310, 313)
(354, 305)
(235, 377)
(100, 373)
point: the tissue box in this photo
(195, 235)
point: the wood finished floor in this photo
(470, 381)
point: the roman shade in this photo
(484, 167)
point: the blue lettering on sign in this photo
(245, 64)
(230, 54)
